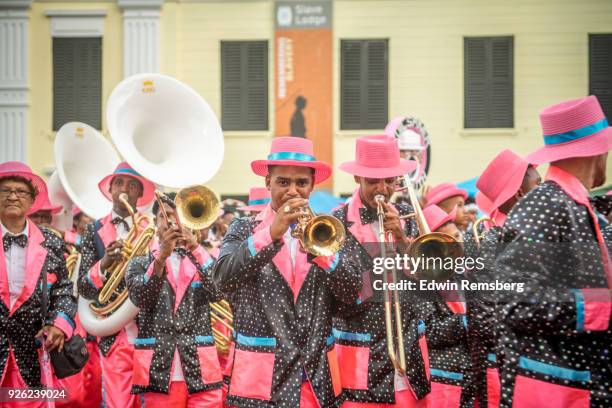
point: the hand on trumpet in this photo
(111, 254)
(392, 222)
(287, 214)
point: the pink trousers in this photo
(403, 399)
(117, 368)
(179, 397)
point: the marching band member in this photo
(79, 223)
(283, 298)
(102, 243)
(259, 197)
(452, 381)
(43, 217)
(505, 181)
(555, 337)
(367, 373)
(175, 358)
(448, 196)
(27, 252)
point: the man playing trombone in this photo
(102, 246)
(283, 298)
(368, 375)
(175, 358)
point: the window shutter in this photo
(600, 70)
(351, 62)
(77, 81)
(376, 91)
(501, 114)
(244, 77)
(364, 84)
(475, 83)
(488, 82)
(257, 86)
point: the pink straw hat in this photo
(76, 211)
(292, 151)
(18, 169)
(259, 197)
(47, 206)
(443, 191)
(574, 128)
(437, 217)
(124, 169)
(378, 157)
(502, 178)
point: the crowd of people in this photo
(305, 327)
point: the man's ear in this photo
(268, 181)
(357, 179)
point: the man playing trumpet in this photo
(283, 298)
(102, 245)
(175, 358)
(367, 372)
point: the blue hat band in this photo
(576, 133)
(260, 201)
(127, 171)
(303, 157)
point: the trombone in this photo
(427, 244)
(394, 337)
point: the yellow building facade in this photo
(425, 68)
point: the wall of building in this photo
(425, 69)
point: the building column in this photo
(140, 36)
(13, 79)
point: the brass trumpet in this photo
(135, 244)
(477, 237)
(321, 235)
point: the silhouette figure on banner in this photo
(298, 122)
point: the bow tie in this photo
(367, 215)
(9, 240)
(118, 220)
(181, 252)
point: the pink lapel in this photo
(4, 288)
(294, 278)
(185, 276)
(363, 233)
(35, 258)
(107, 233)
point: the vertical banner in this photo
(303, 74)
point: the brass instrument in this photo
(395, 337)
(477, 237)
(320, 235)
(135, 244)
(222, 312)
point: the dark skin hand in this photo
(112, 254)
(169, 237)
(54, 338)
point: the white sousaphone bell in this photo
(169, 134)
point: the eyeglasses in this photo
(5, 193)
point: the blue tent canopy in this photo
(322, 202)
(470, 186)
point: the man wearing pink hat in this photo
(555, 337)
(102, 244)
(448, 197)
(504, 182)
(259, 197)
(368, 375)
(43, 217)
(27, 253)
(282, 297)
